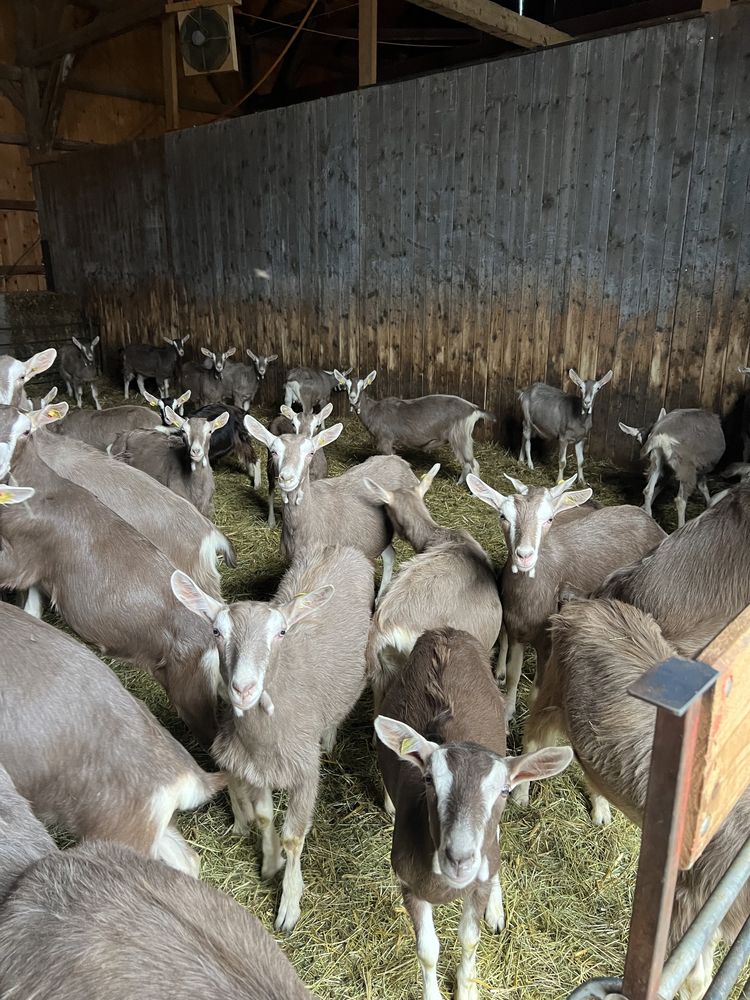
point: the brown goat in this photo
(599, 648)
(100, 922)
(442, 756)
(115, 774)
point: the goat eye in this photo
(282, 632)
(217, 633)
(503, 518)
(428, 779)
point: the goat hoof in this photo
(240, 828)
(601, 814)
(494, 917)
(287, 917)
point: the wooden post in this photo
(368, 42)
(169, 69)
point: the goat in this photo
(85, 777)
(427, 422)
(162, 364)
(15, 374)
(206, 380)
(109, 583)
(113, 924)
(741, 469)
(581, 553)
(550, 413)
(599, 649)
(327, 510)
(305, 653)
(78, 368)
(191, 542)
(442, 756)
(690, 443)
(697, 581)
(39, 402)
(242, 381)
(450, 582)
(179, 461)
(311, 387)
(305, 424)
(232, 439)
(99, 428)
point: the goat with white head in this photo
(196, 434)
(15, 374)
(292, 454)
(527, 515)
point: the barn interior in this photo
(466, 196)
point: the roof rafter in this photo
(498, 21)
(105, 25)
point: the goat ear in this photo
(228, 353)
(288, 412)
(185, 339)
(662, 413)
(15, 494)
(485, 493)
(426, 481)
(328, 436)
(47, 415)
(172, 418)
(575, 499)
(339, 377)
(4, 457)
(540, 764)
(306, 604)
(256, 429)
(562, 486)
(576, 378)
(77, 342)
(168, 340)
(271, 357)
(517, 485)
(324, 414)
(209, 354)
(404, 741)
(250, 354)
(350, 370)
(187, 592)
(627, 429)
(219, 421)
(744, 371)
(181, 400)
(49, 397)
(378, 492)
(370, 379)
(95, 341)
(39, 363)
(601, 382)
(151, 400)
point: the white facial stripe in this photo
(511, 514)
(223, 623)
(492, 785)
(442, 780)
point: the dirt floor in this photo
(567, 885)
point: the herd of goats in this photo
(106, 514)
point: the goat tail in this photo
(215, 782)
(486, 415)
(223, 547)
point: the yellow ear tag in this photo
(302, 594)
(569, 501)
(407, 745)
(153, 403)
(54, 414)
(5, 496)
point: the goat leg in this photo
(494, 912)
(428, 945)
(579, 461)
(297, 823)
(469, 932)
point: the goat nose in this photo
(244, 690)
(524, 551)
(459, 858)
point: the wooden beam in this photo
(104, 26)
(499, 21)
(11, 271)
(16, 205)
(13, 94)
(169, 72)
(368, 42)
(65, 145)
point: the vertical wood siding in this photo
(471, 231)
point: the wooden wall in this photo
(471, 231)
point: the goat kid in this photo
(550, 413)
(293, 670)
(581, 553)
(690, 443)
(426, 422)
(113, 924)
(15, 374)
(78, 368)
(86, 777)
(442, 756)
